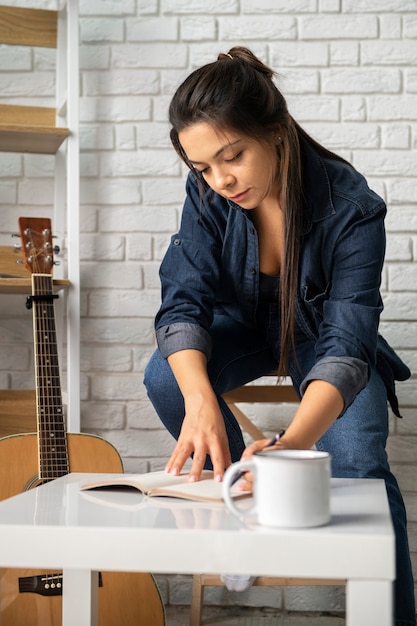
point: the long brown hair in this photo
(237, 92)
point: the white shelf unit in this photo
(46, 130)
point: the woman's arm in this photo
(320, 406)
(203, 431)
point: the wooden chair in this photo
(262, 393)
(208, 580)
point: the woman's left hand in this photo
(256, 446)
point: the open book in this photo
(161, 484)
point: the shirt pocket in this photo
(314, 298)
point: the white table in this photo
(57, 527)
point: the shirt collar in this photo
(316, 187)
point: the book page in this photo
(144, 482)
(202, 491)
(162, 484)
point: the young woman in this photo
(276, 266)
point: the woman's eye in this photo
(235, 158)
(203, 171)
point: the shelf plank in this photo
(17, 411)
(33, 140)
(28, 27)
(15, 278)
(22, 286)
(11, 263)
(23, 115)
(30, 129)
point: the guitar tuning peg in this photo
(17, 247)
(57, 249)
(57, 262)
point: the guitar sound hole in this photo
(35, 481)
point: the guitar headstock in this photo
(36, 240)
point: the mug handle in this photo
(228, 479)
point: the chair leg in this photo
(197, 600)
(245, 423)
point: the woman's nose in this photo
(223, 179)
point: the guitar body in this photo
(131, 599)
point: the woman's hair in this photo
(237, 93)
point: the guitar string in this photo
(52, 442)
(54, 437)
(47, 383)
(49, 400)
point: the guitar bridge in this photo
(45, 584)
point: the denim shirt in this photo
(212, 265)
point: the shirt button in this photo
(252, 270)
(252, 231)
(177, 242)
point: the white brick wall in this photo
(349, 70)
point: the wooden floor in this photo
(234, 616)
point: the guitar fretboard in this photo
(52, 441)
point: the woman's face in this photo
(238, 168)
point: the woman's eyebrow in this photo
(219, 151)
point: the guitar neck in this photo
(52, 440)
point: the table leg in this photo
(80, 598)
(369, 602)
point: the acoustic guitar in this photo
(34, 598)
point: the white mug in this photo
(291, 488)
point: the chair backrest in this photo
(281, 391)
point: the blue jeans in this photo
(356, 441)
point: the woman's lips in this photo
(239, 197)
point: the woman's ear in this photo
(277, 137)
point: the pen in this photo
(270, 443)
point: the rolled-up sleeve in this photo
(347, 374)
(183, 336)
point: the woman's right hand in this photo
(203, 433)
